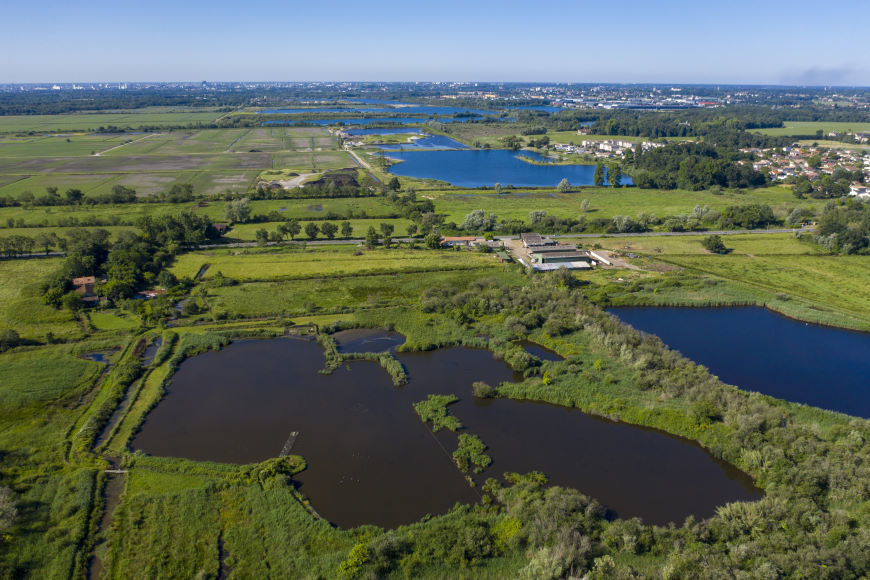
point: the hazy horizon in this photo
(681, 42)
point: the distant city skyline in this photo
(679, 42)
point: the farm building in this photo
(85, 287)
(451, 241)
(533, 239)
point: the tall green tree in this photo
(262, 236)
(311, 230)
(346, 229)
(614, 175)
(329, 230)
(371, 237)
(598, 176)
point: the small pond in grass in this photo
(541, 352)
(372, 461)
(759, 350)
(367, 340)
(486, 167)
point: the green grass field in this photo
(605, 202)
(21, 307)
(810, 128)
(314, 262)
(740, 244)
(775, 270)
(154, 116)
(299, 298)
(838, 283)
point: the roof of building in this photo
(580, 255)
(551, 248)
(560, 265)
(458, 239)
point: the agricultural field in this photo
(214, 160)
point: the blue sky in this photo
(738, 41)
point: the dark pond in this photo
(367, 340)
(758, 350)
(539, 351)
(476, 168)
(100, 357)
(370, 458)
(151, 351)
(392, 131)
(430, 142)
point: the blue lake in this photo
(407, 110)
(429, 142)
(390, 131)
(545, 108)
(370, 121)
(477, 168)
(758, 350)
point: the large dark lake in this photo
(372, 461)
(758, 350)
(477, 168)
